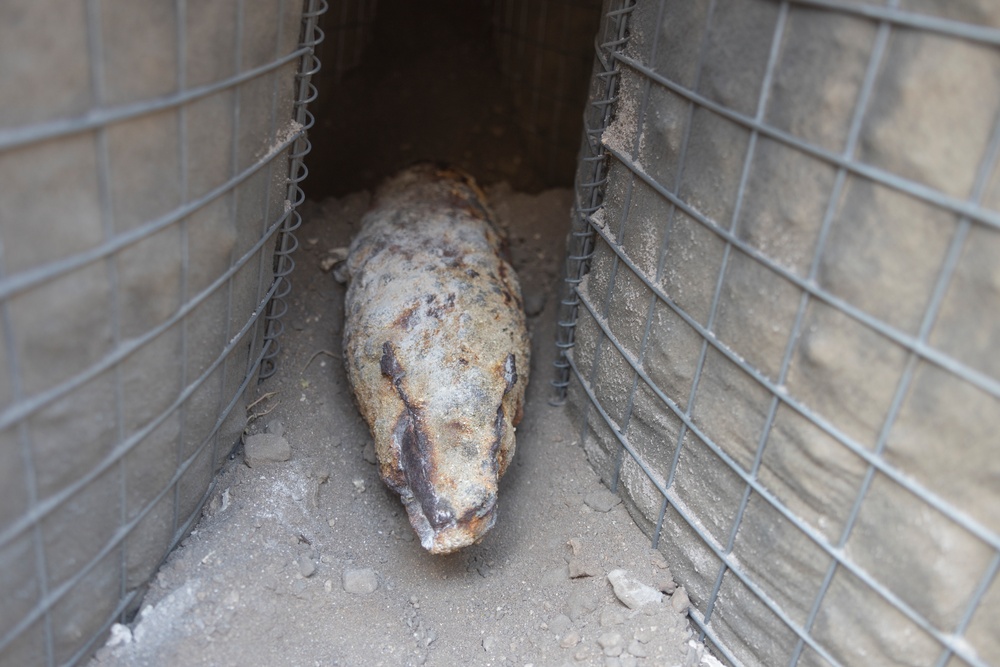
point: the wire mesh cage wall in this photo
(149, 159)
(782, 339)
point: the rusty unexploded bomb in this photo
(436, 350)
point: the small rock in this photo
(299, 589)
(632, 593)
(120, 634)
(275, 428)
(601, 500)
(627, 660)
(570, 639)
(534, 303)
(334, 257)
(265, 448)
(575, 545)
(637, 649)
(369, 453)
(657, 559)
(581, 654)
(612, 661)
(560, 624)
(610, 639)
(328, 585)
(611, 616)
(578, 569)
(693, 656)
(645, 634)
(360, 581)
(667, 585)
(359, 485)
(489, 642)
(680, 601)
(307, 567)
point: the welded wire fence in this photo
(150, 155)
(783, 317)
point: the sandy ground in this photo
(311, 560)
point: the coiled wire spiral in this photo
(287, 243)
(589, 191)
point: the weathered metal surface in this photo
(436, 350)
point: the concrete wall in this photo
(791, 320)
(143, 182)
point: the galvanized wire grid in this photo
(58, 621)
(595, 233)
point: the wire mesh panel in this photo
(784, 351)
(149, 160)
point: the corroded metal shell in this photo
(436, 350)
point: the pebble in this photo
(667, 585)
(489, 642)
(265, 448)
(570, 639)
(632, 593)
(578, 569)
(680, 601)
(534, 303)
(645, 634)
(360, 581)
(307, 567)
(299, 589)
(575, 545)
(611, 643)
(369, 453)
(601, 500)
(627, 660)
(637, 649)
(611, 616)
(275, 428)
(120, 634)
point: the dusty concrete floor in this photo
(279, 570)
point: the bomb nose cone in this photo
(447, 534)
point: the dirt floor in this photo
(311, 560)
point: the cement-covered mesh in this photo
(149, 161)
(783, 355)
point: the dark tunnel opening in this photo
(495, 87)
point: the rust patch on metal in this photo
(416, 457)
